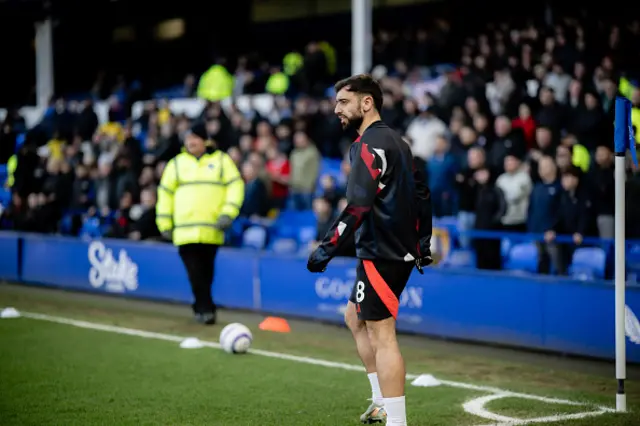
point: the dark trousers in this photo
(487, 253)
(558, 255)
(199, 261)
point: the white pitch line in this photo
(474, 406)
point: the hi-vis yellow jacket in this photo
(194, 192)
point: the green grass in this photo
(57, 374)
(523, 408)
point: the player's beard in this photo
(353, 123)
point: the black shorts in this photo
(378, 286)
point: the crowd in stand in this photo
(516, 138)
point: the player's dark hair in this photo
(362, 84)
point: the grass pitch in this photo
(58, 374)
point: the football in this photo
(236, 338)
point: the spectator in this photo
(122, 220)
(544, 204)
(551, 114)
(324, 219)
(544, 147)
(526, 124)
(279, 171)
(558, 80)
(145, 227)
(305, 166)
(468, 190)
(424, 131)
(572, 219)
(507, 141)
(442, 169)
(516, 186)
(490, 207)
(256, 198)
(601, 183)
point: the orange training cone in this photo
(279, 325)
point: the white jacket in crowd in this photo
(516, 187)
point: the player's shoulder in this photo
(381, 136)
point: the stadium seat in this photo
(330, 166)
(254, 237)
(459, 259)
(306, 234)
(20, 140)
(3, 174)
(505, 247)
(588, 263)
(66, 224)
(289, 222)
(5, 197)
(284, 246)
(522, 257)
(633, 258)
(449, 223)
(91, 228)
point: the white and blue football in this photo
(236, 338)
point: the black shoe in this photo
(206, 319)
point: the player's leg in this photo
(359, 332)
(391, 369)
(374, 413)
(384, 284)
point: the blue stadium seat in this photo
(330, 166)
(254, 237)
(289, 222)
(446, 222)
(459, 259)
(20, 140)
(284, 246)
(588, 263)
(633, 258)
(66, 224)
(505, 247)
(5, 197)
(450, 223)
(91, 228)
(306, 234)
(522, 257)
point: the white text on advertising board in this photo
(116, 276)
(339, 290)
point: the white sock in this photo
(396, 412)
(376, 394)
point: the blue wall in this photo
(549, 313)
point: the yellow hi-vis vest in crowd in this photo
(581, 157)
(278, 84)
(292, 63)
(330, 55)
(194, 192)
(215, 84)
(12, 165)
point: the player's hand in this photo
(424, 261)
(318, 260)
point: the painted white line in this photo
(475, 406)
